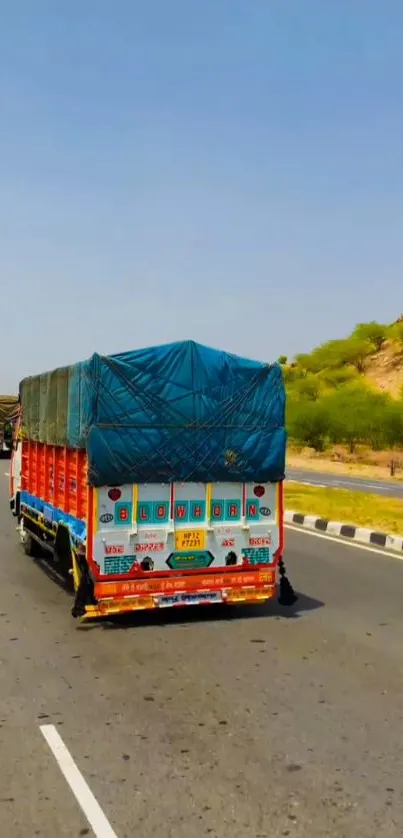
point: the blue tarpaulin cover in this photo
(179, 412)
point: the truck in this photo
(154, 478)
(8, 416)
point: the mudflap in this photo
(85, 589)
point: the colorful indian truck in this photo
(8, 415)
(154, 478)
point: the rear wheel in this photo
(31, 547)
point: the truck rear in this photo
(8, 416)
(154, 478)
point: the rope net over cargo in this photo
(176, 412)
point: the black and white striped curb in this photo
(360, 534)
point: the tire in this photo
(32, 548)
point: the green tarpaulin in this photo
(8, 409)
(44, 400)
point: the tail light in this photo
(114, 494)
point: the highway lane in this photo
(266, 724)
(339, 481)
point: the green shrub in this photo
(396, 333)
(309, 388)
(328, 356)
(309, 424)
(373, 332)
(335, 354)
(355, 352)
(305, 362)
(392, 425)
(337, 377)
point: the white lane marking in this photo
(83, 794)
(361, 486)
(309, 483)
(6, 474)
(344, 542)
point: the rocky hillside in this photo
(385, 369)
(373, 351)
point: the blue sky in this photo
(224, 170)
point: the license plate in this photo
(190, 599)
(190, 540)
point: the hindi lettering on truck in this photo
(155, 478)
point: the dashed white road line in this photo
(82, 792)
(6, 474)
(308, 483)
(344, 541)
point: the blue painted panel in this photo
(118, 565)
(233, 510)
(257, 555)
(123, 513)
(197, 512)
(161, 512)
(53, 515)
(182, 511)
(145, 512)
(252, 509)
(217, 510)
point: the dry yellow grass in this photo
(375, 512)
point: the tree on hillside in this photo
(303, 362)
(355, 352)
(309, 423)
(337, 353)
(393, 424)
(282, 360)
(373, 332)
(329, 355)
(358, 415)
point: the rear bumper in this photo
(196, 589)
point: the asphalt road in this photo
(356, 484)
(255, 726)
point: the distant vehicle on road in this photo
(155, 478)
(8, 415)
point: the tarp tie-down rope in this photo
(225, 410)
(176, 412)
